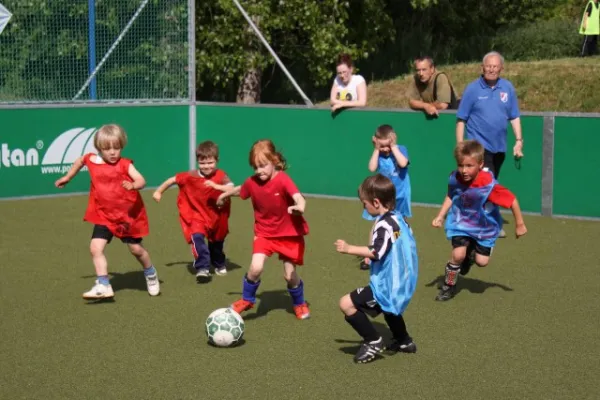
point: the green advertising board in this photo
(37, 146)
(576, 144)
(328, 154)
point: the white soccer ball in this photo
(224, 327)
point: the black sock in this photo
(361, 324)
(397, 326)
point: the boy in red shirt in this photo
(115, 207)
(278, 225)
(199, 216)
(474, 220)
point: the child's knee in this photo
(254, 271)
(96, 248)
(346, 305)
(459, 254)
(481, 260)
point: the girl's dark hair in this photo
(344, 59)
(378, 187)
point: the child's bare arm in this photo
(216, 186)
(361, 251)
(157, 195)
(300, 205)
(232, 191)
(138, 180)
(439, 220)
(401, 159)
(75, 168)
(374, 160)
(520, 228)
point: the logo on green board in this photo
(57, 157)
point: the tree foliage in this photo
(307, 33)
(44, 49)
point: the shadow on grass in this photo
(268, 301)
(240, 343)
(129, 280)
(382, 329)
(470, 284)
(99, 301)
(190, 265)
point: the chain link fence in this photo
(117, 50)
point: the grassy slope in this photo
(569, 84)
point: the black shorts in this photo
(363, 300)
(466, 241)
(102, 232)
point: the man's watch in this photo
(518, 140)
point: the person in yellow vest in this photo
(590, 27)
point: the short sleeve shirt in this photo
(348, 92)
(424, 91)
(487, 110)
(271, 200)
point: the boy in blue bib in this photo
(393, 276)
(390, 160)
(474, 220)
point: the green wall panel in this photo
(526, 182)
(576, 191)
(329, 155)
(46, 141)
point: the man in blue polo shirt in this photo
(486, 107)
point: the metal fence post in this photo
(547, 164)
(92, 46)
(192, 81)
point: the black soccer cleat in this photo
(364, 266)
(468, 262)
(446, 293)
(407, 346)
(368, 351)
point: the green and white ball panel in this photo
(224, 327)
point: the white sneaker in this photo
(221, 271)
(153, 285)
(203, 273)
(502, 233)
(99, 291)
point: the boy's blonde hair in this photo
(378, 187)
(207, 149)
(108, 134)
(384, 132)
(264, 151)
(469, 148)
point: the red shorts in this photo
(289, 248)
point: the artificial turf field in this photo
(525, 327)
